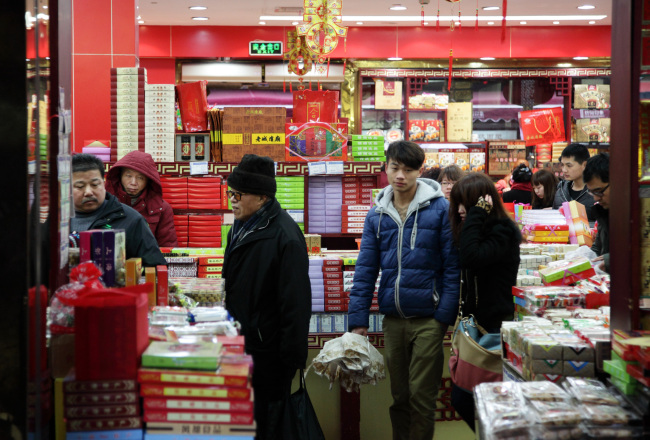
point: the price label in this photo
(335, 167)
(198, 168)
(317, 168)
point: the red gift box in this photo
(111, 332)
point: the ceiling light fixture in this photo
(564, 65)
(592, 22)
(491, 8)
(198, 8)
(487, 58)
(443, 18)
(294, 23)
(490, 23)
(139, 18)
(587, 7)
(398, 8)
(359, 22)
(556, 22)
(426, 23)
(200, 18)
(45, 6)
(141, 21)
(580, 58)
(394, 59)
(262, 22)
(523, 22)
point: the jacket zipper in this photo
(399, 269)
(268, 222)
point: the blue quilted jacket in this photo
(420, 274)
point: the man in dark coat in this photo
(596, 177)
(135, 181)
(266, 271)
(96, 209)
(574, 159)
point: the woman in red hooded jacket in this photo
(134, 180)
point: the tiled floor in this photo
(453, 431)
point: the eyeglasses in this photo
(598, 192)
(236, 194)
(447, 183)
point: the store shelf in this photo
(283, 168)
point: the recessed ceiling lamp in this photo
(139, 18)
(592, 22)
(394, 59)
(564, 65)
(294, 23)
(580, 58)
(491, 8)
(141, 21)
(200, 18)
(487, 58)
(587, 7)
(426, 23)
(359, 22)
(490, 23)
(45, 6)
(262, 22)
(398, 8)
(523, 22)
(198, 8)
(556, 22)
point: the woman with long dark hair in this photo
(544, 187)
(488, 242)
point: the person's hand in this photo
(601, 266)
(601, 258)
(488, 199)
(363, 331)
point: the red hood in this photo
(139, 161)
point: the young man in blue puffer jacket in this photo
(407, 235)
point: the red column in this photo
(104, 35)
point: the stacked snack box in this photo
(107, 249)
(254, 130)
(201, 387)
(159, 121)
(291, 196)
(174, 191)
(204, 230)
(367, 148)
(181, 224)
(357, 190)
(102, 407)
(325, 200)
(354, 217)
(576, 218)
(127, 110)
(348, 281)
(211, 266)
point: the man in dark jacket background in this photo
(266, 272)
(96, 209)
(574, 159)
(596, 176)
(135, 181)
(408, 236)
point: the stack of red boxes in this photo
(127, 110)
(112, 406)
(357, 190)
(335, 299)
(204, 230)
(348, 278)
(219, 403)
(174, 191)
(204, 192)
(182, 226)
(210, 267)
(353, 217)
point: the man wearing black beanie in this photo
(266, 272)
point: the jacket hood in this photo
(427, 190)
(139, 161)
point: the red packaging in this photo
(240, 406)
(193, 102)
(187, 391)
(315, 106)
(162, 295)
(333, 289)
(104, 424)
(332, 262)
(111, 332)
(337, 308)
(211, 261)
(104, 386)
(86, 412)
(42, 307)
(543, 126)
(199, 417)
(194, 243)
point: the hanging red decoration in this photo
(451, 65)
(438, 18)
(422, 15)
(504, 8)
(476, 23)
(460, 23)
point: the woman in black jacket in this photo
(488, 242)
(521, 189)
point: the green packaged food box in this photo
(193, 356)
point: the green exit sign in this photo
(265, 48)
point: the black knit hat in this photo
(254, 175)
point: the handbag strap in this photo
(302, 379)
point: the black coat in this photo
(489, 262)
(268, 289)
(517, 196)
(140, 241)
(601, 243)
